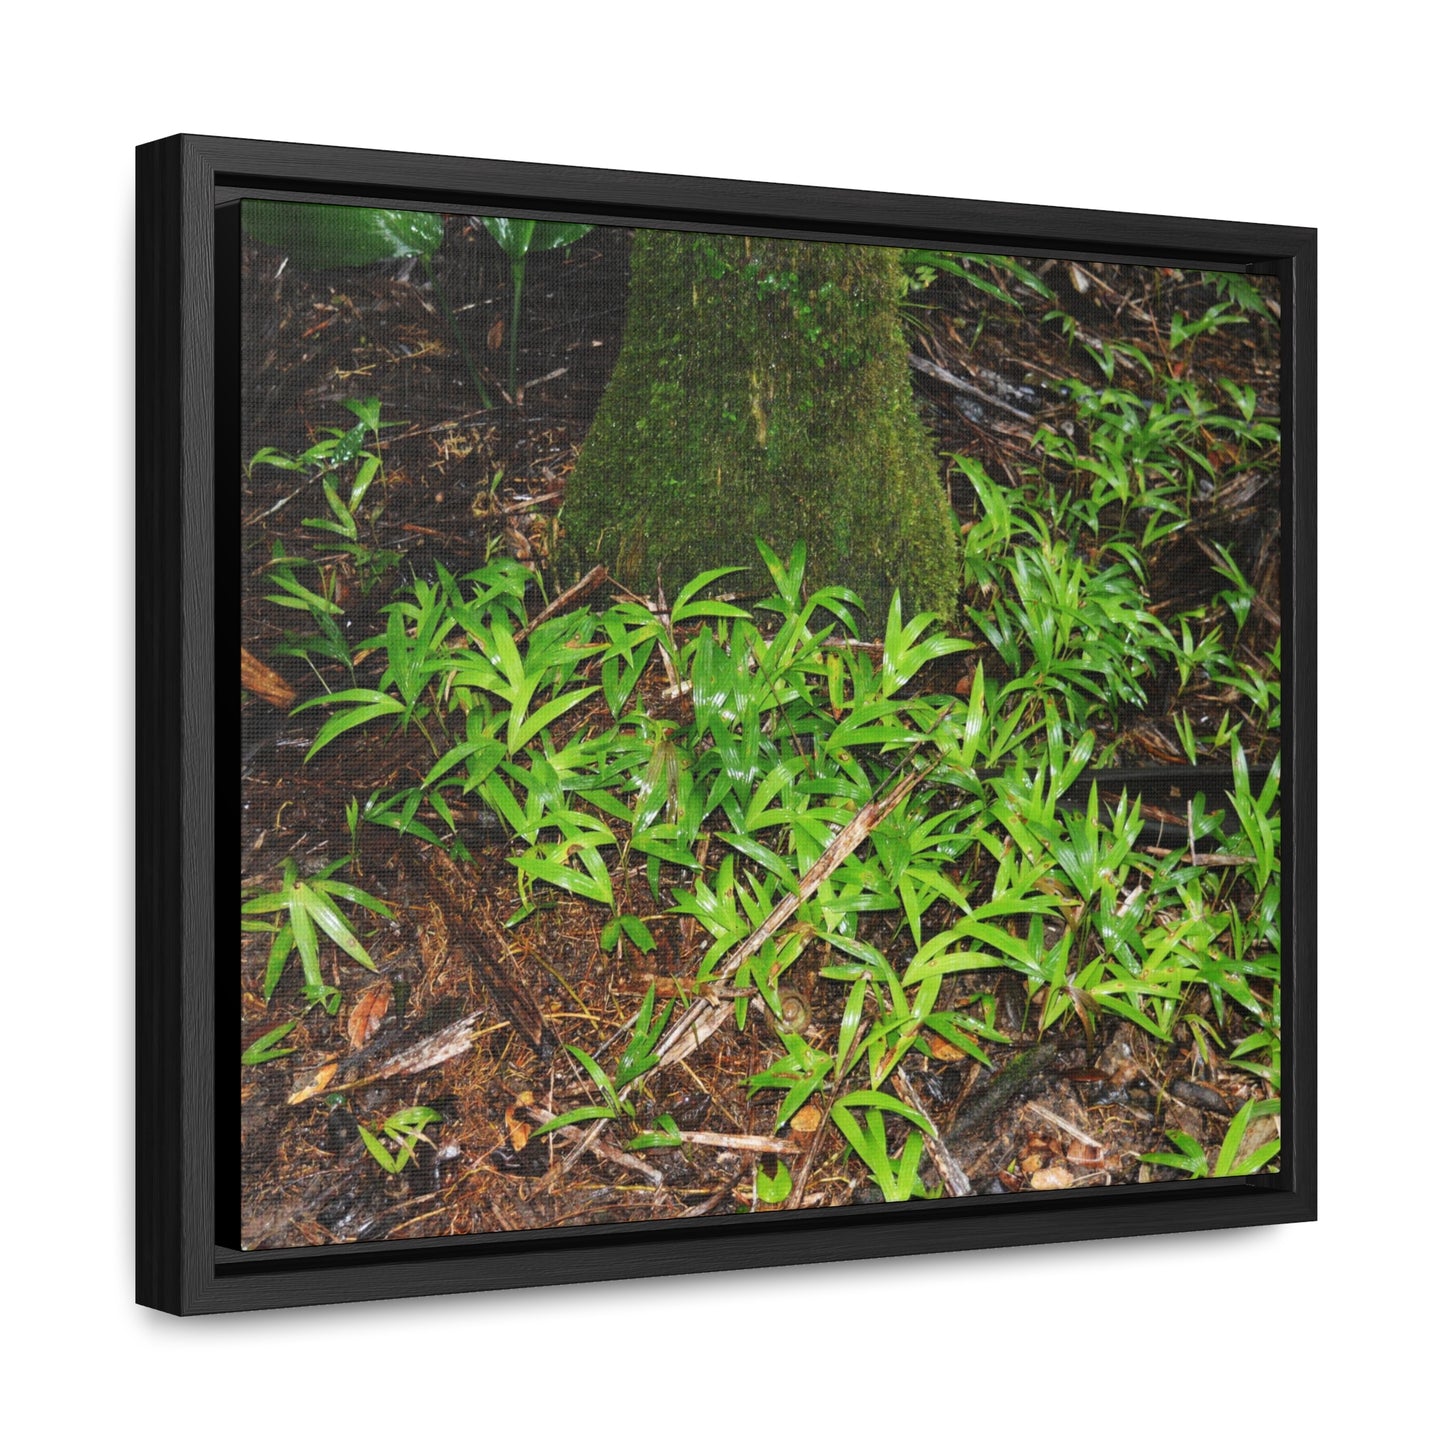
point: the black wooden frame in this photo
(182, 1167)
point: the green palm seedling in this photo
(406, 1128)
(310, 904)
(518, 239)
(1230, 1162)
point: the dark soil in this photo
(465, 482)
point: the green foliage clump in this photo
(785, 724)
(786, 734)
(309, 904)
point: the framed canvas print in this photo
(775, 724)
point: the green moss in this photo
(762, 390)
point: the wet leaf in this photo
(943, 1050)
(378, 1151)
(774, 1189)
(317, 237)
(322, 1077)
(638, 932)
(367, 1013)
(264, 682)
(519, 237)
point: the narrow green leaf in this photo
(520, 732)
(848, 1028)
(321, 236)
(594, 1069)
(877, 1099)
(684, 608)
(380, 1152)
(281, 947)
(264, 1049)
(582, 1115)
(776, 1189)
(638, 932)
(305, 934)
(320, 910)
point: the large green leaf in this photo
(518, 238)
(317, 237)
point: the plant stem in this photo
(456, 331)
(519, 269)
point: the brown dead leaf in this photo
(1054, 1178)
(518, 1131)
(367, 1013)
(519, 542)
(271, 686)
(495, 335)
(943, 1051)
(808, 1120)
(1258, 1133)
(319, 1081)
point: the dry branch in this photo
(269, 686)
(743, 1143)
(705, 1017)
(950, 1171)
(591, 1145)
(563, 600)
(1205, 860)
(1062, 1124)
(708, 1013)
(471, 926)
(928, 368)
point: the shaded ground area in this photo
(450, 1021)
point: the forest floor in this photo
(438, 1026)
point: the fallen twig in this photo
(425, 1053)
(928, 368)
(706, 1207)
(800, 1174)
(1062, 1124)
(488, 948)
(564, 599)
(1209, 860)
(267, 684)
(591, 1145)
(707, 1015)
(530, 504)
(744, 1143)
(950, 1171)
(704, 1018)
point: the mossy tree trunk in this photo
(762, 391)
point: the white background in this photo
(1209, 109)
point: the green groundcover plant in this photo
(791, 732)
(724, 750)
